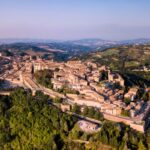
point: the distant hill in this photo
(90, 42)
(94, 43)
(57, 51)
(100, 44)
(12, 41)
(135, 41)
(61, 50)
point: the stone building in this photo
(115, 78)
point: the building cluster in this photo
(84, 77)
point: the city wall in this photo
(124, 120)
(4, 93)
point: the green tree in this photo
(27, 122)
(141, 146)
(76, 109)
(85, 111)
(125, 113)
(43, 77)
(58, 100)
(145, 96)
(127, 101)
(148, 138)
(91, 112)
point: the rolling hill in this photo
(63, 50)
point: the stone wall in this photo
(126, 121)
(4, 93)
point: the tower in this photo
(30, 58)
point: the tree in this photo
(98, 115)
(30, 123)
(76, 109)
(125, 113)
(91, 112)
(85, 111)
(127, 101)
(124, 146)
(141, 146)
(148, 138)
(43, 77)
(58, 100)
(145, 96)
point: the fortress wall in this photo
(88, 103)
(4, 93)
(117, 119)
(138, 127)
(124, 120)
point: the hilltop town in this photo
(85, 83)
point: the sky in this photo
(75, 19)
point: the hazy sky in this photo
(75, 19)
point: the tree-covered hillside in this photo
(28, 122)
